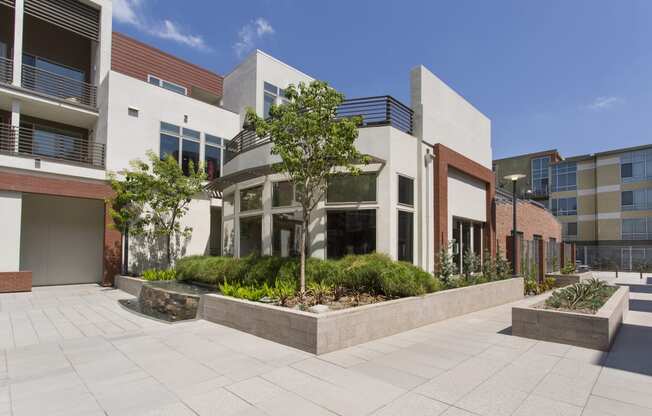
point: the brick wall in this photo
(15, 282)
(530, 220)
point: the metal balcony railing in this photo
(39, 143)
(6, 70)
(59, 86)
(374, 111)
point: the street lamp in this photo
(514, 178)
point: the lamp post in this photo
(514, 178)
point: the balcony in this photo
(374, 111)
(43, 143)
(6, 70)
(57, 85)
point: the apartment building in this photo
(78, 101)
(604, 201)
(429, 181)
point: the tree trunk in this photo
(302, 273)
(167, 249)
(125, 261)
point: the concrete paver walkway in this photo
(72, 350)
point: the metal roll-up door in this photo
(9, 3)
(68, 14)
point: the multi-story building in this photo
(604, 201)
(78, 101)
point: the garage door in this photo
(61, 239)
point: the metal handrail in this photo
(6, 70)
(375, 111)
(48, 145)
(59, 86)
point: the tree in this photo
(312, 141)
(151, 198)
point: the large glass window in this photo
(569, 229)
(167, 85)
(272, 95)
(405, 236)
(189, 156)
(638, 199)
(637, 228)
(251, 199)
(251, 235)
(564, 177)
(351, 188)
(282, 194)
(540, 175)
(636, 166)
(405, 190)
(228, 204)
(286, 234)
(350, 232)
(564, 206)
(169, 146)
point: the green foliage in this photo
(155, 274)
(489, 267)
(237, 290)
(151, 198)
(588, 295)
(317, 270)
(311, 142)
(642, 266)
(568, 268)
(320, 291)
(503, 267)
(470, 263)
(282, 291)
(445, 266)
(532, 287)
(362, 273)
(402, 279)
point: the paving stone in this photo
(540, 406)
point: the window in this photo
(351, 188)
(190, 150)
(639, 199)
(569, 229)
(272, 95)
(637, 228)
(405, 236)
(212, 157)
(636, 166)
(41, 82)
(170, 141)
(167, 85)
(350, 232)
(540, 175)
(3, 50)
(51, 142)
(251, 235)
(251, 199)
(282, 194)
(405, 190)
(228, 204)
(564, 177)
(564, 206)
(132, 112)
(286, 234)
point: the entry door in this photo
(62, 239)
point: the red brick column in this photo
(573, 253)
(562, 254)
(15, 282)
(514, 258)
(112, 249)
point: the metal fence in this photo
(626, 258)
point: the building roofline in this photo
(606, 153)
(533, 154)
(167, 54)
(257, 52)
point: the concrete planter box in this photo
(131, 285)
(331, 331)
(15, 282)
(582, 330)
(569, 279)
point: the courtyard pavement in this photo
(72, 350)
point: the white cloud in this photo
(604, 103)
(131, 12)
(250, 33)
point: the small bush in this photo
(282, 290)
(362, 273)
(320, 291)
(154, 274)
(236, 290)
(317, 270)
(402, 279)
(588, 295)
(568, 268)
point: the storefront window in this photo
(351, 188)
(282, 194)
(251, 199)
(286, 234)
(350, 232)
(405, 236)
(251, 235)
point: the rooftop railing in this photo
(59, 86)
(40, 143)
(374, 111)
(6, 70)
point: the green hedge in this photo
(373, 273)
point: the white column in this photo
(461, 247)
(266, 244)
(19, 6)
(481, 245)
(15, 121)
(11, 204)
(471, 238)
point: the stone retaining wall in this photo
(131, 285)
(582, 330)
(331, 331)
(569, 279)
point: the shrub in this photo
(470, 262)
(402, 279)
(317, 270)
(587, 295)
(362, 273)
(532, 287)
(489, 270)
(282, 290)
(320, 291)
(155, 274)
(207, 269)
(568, 268)
(261, 270)
(445, 265)
(236, 290)
(503, 267)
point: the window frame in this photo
(159, 82)
(557, 211)
(255, 211)
(375, 201)
(566, 170)
(398, 186)
(398, 233)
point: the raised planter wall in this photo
(131, 285)
(331, 331)
(569, 279)
(582, 330)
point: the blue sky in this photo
(569, 74)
